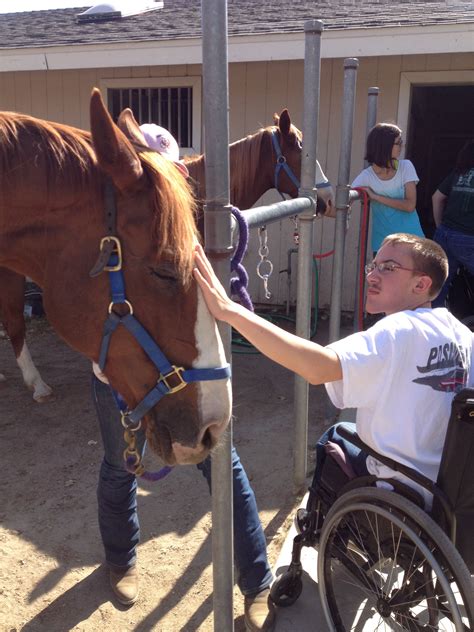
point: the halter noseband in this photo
(171, 378)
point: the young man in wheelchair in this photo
(401, 374)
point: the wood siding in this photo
(257, 90)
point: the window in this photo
(169, 102)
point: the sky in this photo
(9, 6)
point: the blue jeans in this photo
(355, 455)
(117, 500)
(459, 248)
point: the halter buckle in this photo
(177, 371)
(117, 249)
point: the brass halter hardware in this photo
(177, 371)
(117, 249)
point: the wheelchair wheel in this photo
(384, 564)
(286, 589)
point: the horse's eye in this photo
(164, 273)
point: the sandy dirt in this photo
(52, 577)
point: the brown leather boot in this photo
(124, 583)
(259, 612)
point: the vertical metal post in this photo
(363, 238)
(342, 194)
(372, 100)
(312, 72)
(218, 240)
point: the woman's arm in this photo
(407, 204)
(439, 202)
(314, 363)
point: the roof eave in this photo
(367, 42)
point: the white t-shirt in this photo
(401, 375)
(387, 220)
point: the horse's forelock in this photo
(174, 227)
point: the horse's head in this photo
(156, 229)
(288, 140)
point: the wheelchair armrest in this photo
(409, 472)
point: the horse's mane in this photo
(64, 149)
(67, 154)
(175, 227)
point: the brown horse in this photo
(53, 179)
(253, 162)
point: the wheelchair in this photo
(384, 563)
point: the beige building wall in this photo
(257, 90)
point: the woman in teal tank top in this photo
(391, 185)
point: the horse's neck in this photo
(246, 185)
(197, 173)
(37, 221)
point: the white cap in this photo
(160, 139)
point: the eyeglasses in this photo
(399, 142)
(386, 266)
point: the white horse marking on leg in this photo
(33, 380)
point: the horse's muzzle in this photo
(187, 455)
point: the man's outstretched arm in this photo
(314, 363)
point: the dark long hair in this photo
(380, 144)
(465, 159)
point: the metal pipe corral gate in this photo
(218, 239)
(342, 194)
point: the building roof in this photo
(180, 19)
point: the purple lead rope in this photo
(239, 284)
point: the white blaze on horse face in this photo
(215, 396)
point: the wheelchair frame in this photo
(365, 530)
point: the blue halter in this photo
(281, 163)
(172, 378)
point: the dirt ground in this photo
(52, 577)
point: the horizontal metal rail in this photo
(260, 215)
(273, 212)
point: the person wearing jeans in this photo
(120, 529)
(453, 213)
(356, 457)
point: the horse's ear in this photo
(284, 122)
(276, 119)
(129, 126)
(115, 154)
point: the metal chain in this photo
(131, 455)
(264, 263)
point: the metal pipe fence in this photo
(218, 239)
(372, 100)
(342, 194)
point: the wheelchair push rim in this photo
(384, 564)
